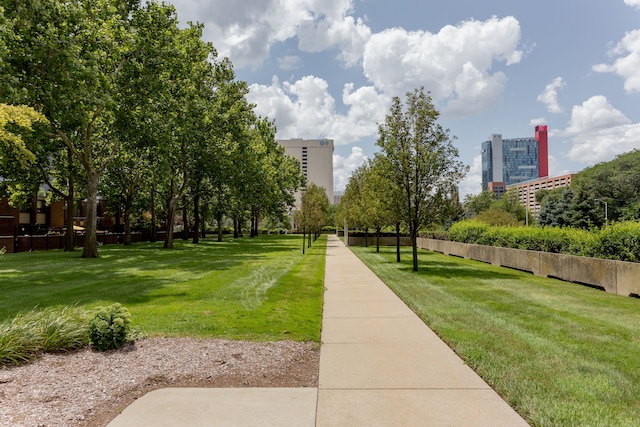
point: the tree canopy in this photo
(601, 194)
(137, 108)
(422, 162)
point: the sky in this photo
(329, 69)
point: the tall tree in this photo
(474, 204)
(313, 213)
(65, 57)
(379, 196)
(424, 160)
(171, 76)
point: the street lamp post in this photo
(346, 229)
(606, 211)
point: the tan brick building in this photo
(316, 158)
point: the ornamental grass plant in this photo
(42, 330)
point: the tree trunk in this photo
(219, 221)
(256, 223)
(171, 213)
(304, 244)
(90, 249)
(168, 237)
(127, 224)
(154, 230)
(397, 242)
(196, 219)
(185, 219)
(378, 239)
(366, 237)
(414, 244)
(69, 241)
(127, 213)
(236, 225)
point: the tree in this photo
(494, 216)
(171, 74)
(351, 208)
(32, 157)
(510, 203)
(424, 161)
(313, 213)
(473, 205)
(370, 198)
(64, 61)
(22, 117)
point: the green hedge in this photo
(620, 241)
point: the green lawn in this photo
(255, 289)
(561, 354)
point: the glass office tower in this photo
(514, 160)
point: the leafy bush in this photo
(551, 239)
(467, 231)
(38, 331)
(435, 234)
(110, 327)
(619, 241)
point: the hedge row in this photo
(620, 241)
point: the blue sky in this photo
(329, 68)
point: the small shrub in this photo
(110, 327)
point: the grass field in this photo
(255, 289)
(561, 354)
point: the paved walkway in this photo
(379, 366)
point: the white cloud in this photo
(455, 64)
(595, 114)
(246, 33)
(537, 121)
(632, 3)
(305, 109)
(627, 65)
(556, 168)
(472, 183)
(349, 34)
(343, 167)
(549, 96)
(289, 62)
(599, 131)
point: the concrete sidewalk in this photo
(379, 366)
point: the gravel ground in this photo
(89, 388)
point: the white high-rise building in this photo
(316, 158)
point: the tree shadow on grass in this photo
(135, 274)
(435, 265)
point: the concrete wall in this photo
(384, 241)
(619, 277)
